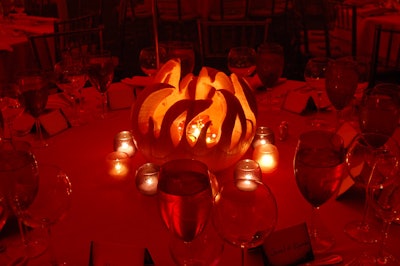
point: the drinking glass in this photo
(341, 84)
(185, 201)
(379, 110)
(19, 6)
(385, 201)
(148, 60)
(242, 61)
(100, 71)
(10, 107)
(245, 211)
(318, 169)
(269, 63)
(185, 52)
(34, 90)
(50, 204)
(314, 76)
(365, 165)
(70, 76)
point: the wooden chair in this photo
(78, 23)
(385, 56)
(47, 8)
(216, 37)
(342, 28)
(49, 48)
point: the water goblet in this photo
(379, 109)
(33, 88)
(10, 107)
(185, 200)
(245, 210)
(269, 63)
(100, 71)
(365, 165)
(185, 52)
(50, 204)
(318, 169)
(341, 84)
(242, 61)
(314, 76)
(148, 60)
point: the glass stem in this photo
(104, 104)
(382, 259)
(364, 223)
(39, 134)
(314, 223)
(243, 251)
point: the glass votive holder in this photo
(263, 135)
(267, 156)
(124, 142)
(147, 178)
(246, 175)
(118, 166)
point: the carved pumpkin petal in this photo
(169, 73)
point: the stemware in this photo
(185, 201)
(100, 71)
(245, 211)
(269, 63)
(33, 89)
(314, 76)
(50, 204)
(148, 59)
(379, 109)
(70, 76)
(242, 61)
(318, 169)
(368, 170)
(341, 84)
(10, 107)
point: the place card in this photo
(299, 103)
(289, 246)
(54, 122)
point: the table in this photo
(117, 212)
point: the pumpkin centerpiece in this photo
(210, 118)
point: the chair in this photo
(49, 48)
(47, 8)
(385, 56)
(342, 29)
(78, 23)
(228, 9)
(216, 37)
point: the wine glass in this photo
(365, 167)
(33, 88)
(385, 201)
(10, 107)
(269, 63)
(245, 211)
(185, 201)
(70, 77)
(100, 71)
(318, 169)
(50, 204)
(341, 84)
(148, 59)
(185, 52)
(19, 6)
(19, 183)
(314, 76)
(242, 61)
(379, 109)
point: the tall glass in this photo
(242, 61)
(10, 107)
(34, 92)
(318, 169)
(270, 63)
(148, 60)
(185, 201)
(100, 71)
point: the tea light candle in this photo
(267, 156)
(123, 142)
(118, 165)
(147, 178)
(246, 174)
(263, 135)
(246, 184)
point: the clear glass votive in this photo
(118, 166)
(263, 135)
(124, 142)
(147, 178)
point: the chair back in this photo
(47, 8)
(78, 23)
(49, 48)
(228, 9)
(176, 10)
(385, 56)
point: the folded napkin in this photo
(304, 100)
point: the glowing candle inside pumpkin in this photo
(123, 142)
(267, 156)
(194, 130)
(118, 165)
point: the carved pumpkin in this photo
(210, 118)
